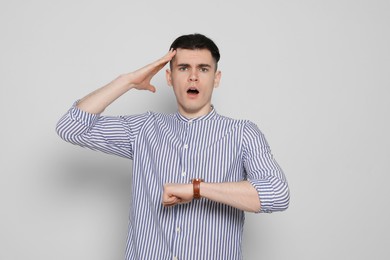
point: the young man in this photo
(195, 172)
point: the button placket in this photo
(184, 179)
(184, 159)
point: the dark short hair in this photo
(196, 41)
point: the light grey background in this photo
(314, 76)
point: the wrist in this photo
(126, 80)
(196, 187)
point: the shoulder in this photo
(246, 124)
(149, 117)
(136, 117)
(250, 131)
(160, 117)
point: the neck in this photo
(195, 114)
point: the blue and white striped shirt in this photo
(174, 149)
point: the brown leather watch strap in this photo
(196, 184)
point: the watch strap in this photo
(196, 186)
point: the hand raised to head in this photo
(97, 101)
(140, 79)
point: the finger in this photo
(152, 88)
(166, 58)
(171, 54)
(169, 204)
(156, 66)
(171, 201)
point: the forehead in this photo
(193, 57)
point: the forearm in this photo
(97, 101)
(241, 195)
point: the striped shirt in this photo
(174, 149)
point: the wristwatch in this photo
(196, 185)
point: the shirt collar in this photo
(208, 116)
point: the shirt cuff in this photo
(266, 194)
(81, 116)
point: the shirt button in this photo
(190, 121)
(185, 146)
(175, 258)
(177, 229)
(183, 174)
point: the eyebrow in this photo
(202, 65)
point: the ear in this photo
(168, 75)
(217, 78)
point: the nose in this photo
(193, 76)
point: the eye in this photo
(183, 68)
(204, 69)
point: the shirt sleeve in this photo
(108, 134)
(263, 172)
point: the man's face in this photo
(193, 76)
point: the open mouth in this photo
(193, 91)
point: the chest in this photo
(180, 152)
